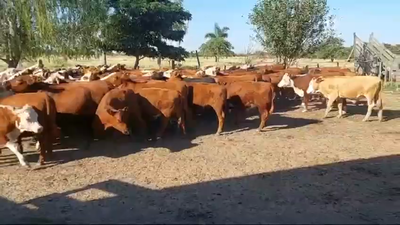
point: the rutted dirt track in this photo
(300, 170)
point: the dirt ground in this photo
(302, 169)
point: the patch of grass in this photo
(394, 86)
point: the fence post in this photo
(198, 60)
(317, 65)
(337, 64)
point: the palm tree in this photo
(217, 45)
(218, 32)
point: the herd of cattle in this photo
(45, 104)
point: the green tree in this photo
(29, 29)
(179, 26)
(217, 45)
(25, 27)
(290, 29)
(332, 48)
(80, 27)
(141, 28)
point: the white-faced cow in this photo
(13, 122)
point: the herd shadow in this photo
(115, 146)
(72, 149)
(363, 191)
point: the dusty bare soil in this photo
(300, 170)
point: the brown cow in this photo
(212, 95)
(71, 114)
(300, 83)
(249, 94)
(156, 102)
(327, 69)
(117, 109)
(45, 108)
(172, 84)
(224, 80)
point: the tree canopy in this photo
(290, 29)
(217, 45)
(29, 29)
(76, 28)
(332, 49)
(141, 28)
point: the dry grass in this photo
(189, 62)
(300, 170)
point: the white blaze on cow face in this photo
(288, 82)
(28, 119)
(285, 81)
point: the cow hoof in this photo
(27, 166)
(339, 116)
(218, 133)
(304, 110)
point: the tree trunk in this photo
(216, 59)
(173, 64)
(13, 63)
(198, 60)
(285, 63)
(104, 58)
(332, 59)
(136, 62)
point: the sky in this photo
(360, 16)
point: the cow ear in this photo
(319, 80)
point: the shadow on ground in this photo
(71, 149)
(360, 191)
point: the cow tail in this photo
(271, 110)
(225, 106)
(378, 95)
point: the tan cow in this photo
(338, 87)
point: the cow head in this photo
(200, 73)
(286, 81)
(118, 119)
(176, 74)
(27, 119)
(313, 86)
(21, 83)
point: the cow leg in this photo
(240, 115)
(13, 146)
(164, 124)
(371, 105)
(20, 147)
(219, 111)
(182, 124)
(305, 102)
(329, 106)
(43, 150)
(264, 114)
(380, 108)
(344, 108)
(340, 107)
(141, 126)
